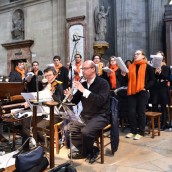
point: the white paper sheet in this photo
(121, 64)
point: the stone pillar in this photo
(59, 21)
(168, 24)
(155, 25)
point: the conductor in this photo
(94, 95)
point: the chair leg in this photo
(56, 135)
(153, 127)
(102, 147)
(159, 124)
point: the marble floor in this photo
(144, 155)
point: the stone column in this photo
(155, 25)
(168, 24)
(59, 32)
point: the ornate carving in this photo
(18, 25)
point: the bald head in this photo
(89, 63)
(89, 69)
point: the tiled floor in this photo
(145, 155)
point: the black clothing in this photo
(95, 109)
(137, 103)
(120, 81)
(137, 106)
(63, 77)
(31, 86)
(15, 77)
(160, 93)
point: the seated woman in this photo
(56, 90)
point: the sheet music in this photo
(121, 64)
(156, 61)
(7, 159)
(108, 70)
(44, 96)
(72, 116)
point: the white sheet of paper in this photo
(7, 159)
(121, 64)
(156, 61)
(44, 95)
(108, 70)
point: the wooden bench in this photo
(151, 116)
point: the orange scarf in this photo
(100, 70)
(22, 72)
(112, 76)
(36, 72)
(58, 67)
(78, 70)
(136, 84)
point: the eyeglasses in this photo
(86, 68)
(137, 54)
(46, 76)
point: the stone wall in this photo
(132, 25)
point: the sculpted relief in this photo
(17, 31)
(100, 16)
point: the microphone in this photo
(81, 36)
(77, 37)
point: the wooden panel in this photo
(8, 89)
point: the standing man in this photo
(18, 74)
(75, 73)
(31, 81)
(62, 72)
(94, 95)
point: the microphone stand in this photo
(76, 40)
(37, 89)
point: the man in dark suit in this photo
(94, 95)
(18, 74)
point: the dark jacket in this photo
(114, 125)
(31, 86)
(98, 101)
(15, 76)
(160, 92)
(63, 77)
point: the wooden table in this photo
(50, 132)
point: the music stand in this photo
(70, 115)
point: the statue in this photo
(100, 23)
(17, 25)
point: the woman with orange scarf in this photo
(140, 80)
(99, 65)
(115, 78)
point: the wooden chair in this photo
(57, 131)
(151, 116)
(100, 141)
